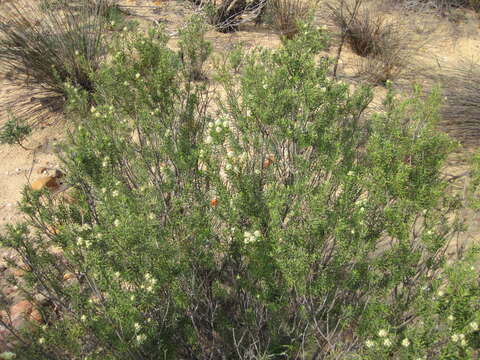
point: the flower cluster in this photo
(150, 282)
(248, 237)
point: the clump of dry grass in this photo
(461, 110)
(385, 44)
(286, 14)
(43, 45)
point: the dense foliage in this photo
(287, 223)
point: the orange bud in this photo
(214, 202)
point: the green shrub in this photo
(288, 225)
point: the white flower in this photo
(137, 76)
(209, 139)
(99, 235)
(116, 223)
(257, 234)
(463, 342)
(112, 23)
(137, 326)
(350, 173)
(451, 317)
(104, 190)
(88, 243)
(440, 293)
(41, 341)
(132, 298)
(227, 124)
(83, 318)
(147, 276)
(247, 234)
(405, 342)
(93, 109)
(461, 336)
(474, 325)
(210, 125)
(218, 129)
(125, 83)
(387, 342)
(125, 29)
(369, 343)
(141, 338)
(230, 154)
(77, 53)
(44, 327)
(79, 241)
(115, 193)
(218, 122)
(151, 216)
(116, 274)
(383, 333)
(228, 167)
(149, 288)
(454, 338)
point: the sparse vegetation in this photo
(386, 45)
(47, 44)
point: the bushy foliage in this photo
(287, 225)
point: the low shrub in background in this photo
(289, 225)
(288, 14)
(43, 45)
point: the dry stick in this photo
(353, 14)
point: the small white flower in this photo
(79, 241)
(350, 173)
(115, 193)
(454, 337)
(83, 318)
(463, 342)
(132, 298)
(210, 125)
(137, 76)
(99, 235)
(112, 23)
(88, 243)
(149, 288)
(230, 154)
(387, 342)
(137, 326)
(474, 325)
(451, 317)
(257, 234)
(247, 234)
(228, 167)
(116, 223)
(149, 320)
(440, 293)
(208, 140)
(93, 109)
(41, 341)
(383, 333)
(104, 190)
(151, 216)
(218, 129)
(77, 52)
(461, 336)
(369, 343)
(227, 124)
(147, 276)
(125, 29)
(218, 122)
(405, 342)
(125, 83)
(44, 327)
(116, 274)
(141, 338)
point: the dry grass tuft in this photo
(286, 14)
(43, 45)
(461, 110)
